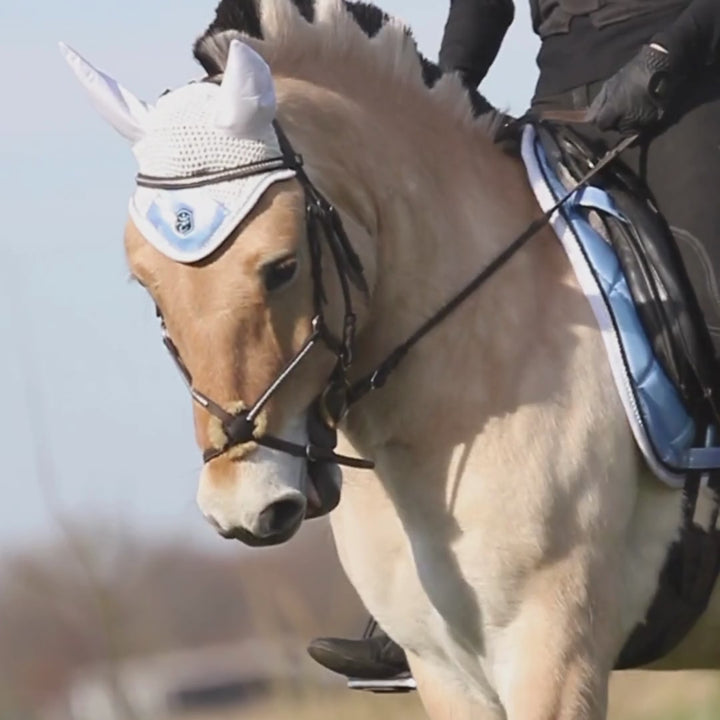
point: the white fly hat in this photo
(206, 152)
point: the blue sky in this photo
(94, 421)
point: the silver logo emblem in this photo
(184, 221)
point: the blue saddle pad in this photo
(662, 427)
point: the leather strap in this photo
(561, 116)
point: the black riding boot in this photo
(374, 658)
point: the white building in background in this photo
(214, 678)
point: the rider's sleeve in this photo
(694, 38)
(473, 34)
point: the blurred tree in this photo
(96, 596)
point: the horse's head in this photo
(253, 277)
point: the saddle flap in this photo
(653, 267)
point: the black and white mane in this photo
(274, 22)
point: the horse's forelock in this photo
(278, 22)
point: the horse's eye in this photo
(279, 273)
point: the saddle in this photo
(653, 267)
(654, 285)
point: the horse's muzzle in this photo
(276, 524)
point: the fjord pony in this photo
(509, 537)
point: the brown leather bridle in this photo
(324, 229)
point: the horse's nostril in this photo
(281, 515)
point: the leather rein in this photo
(324, 223)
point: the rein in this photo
(323, 222)
(378, 377)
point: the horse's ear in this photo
(247, 103)
(126, 113)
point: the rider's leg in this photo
(681, 166)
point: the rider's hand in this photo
(638, 95)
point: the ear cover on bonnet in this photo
(126, 113)
(247, 103)
(197, 129)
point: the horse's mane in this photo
(297, 36)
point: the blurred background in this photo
(117, 602)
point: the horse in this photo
(508, 536)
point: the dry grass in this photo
(338, 704)
(634, 696)
(665, 696)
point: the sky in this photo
(95, 423)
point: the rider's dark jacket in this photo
(582, 40)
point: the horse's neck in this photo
(439, 203)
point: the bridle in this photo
(324, 223)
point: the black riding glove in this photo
(638, 95)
